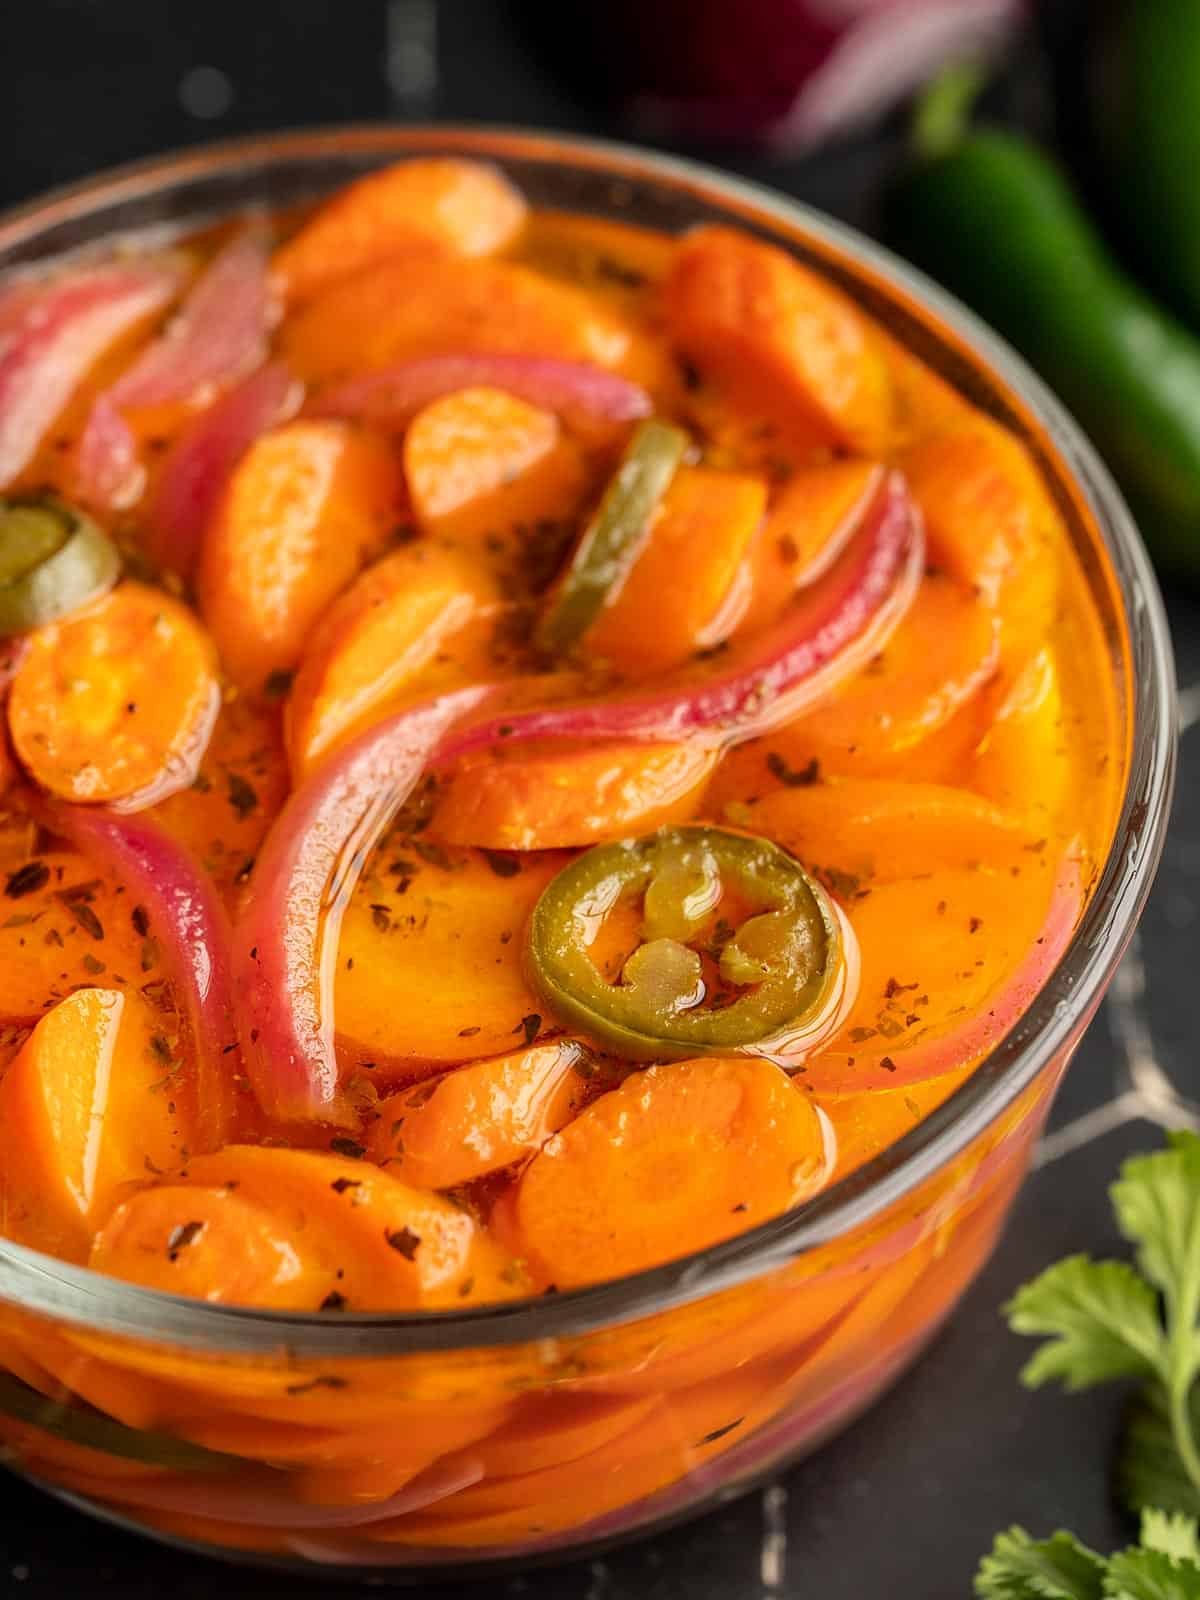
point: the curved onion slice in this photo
(190, 924)
(581, 394)
(50, 338)
(286, 946)
(833, 628)
(198, 467)
(107, 472)
(220, 334)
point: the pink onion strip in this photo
(828, 632)
(107, 473)
(199, 466)
(190, 924)
(285, 951)
(220, 334)
(53, 338)
(581, 394)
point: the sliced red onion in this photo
(581, 394)
(190, 925)
(831, 629)
(286, 947)
(199, 466)
(107, 472)
(286, 942)
(50, 339)
(220, 334)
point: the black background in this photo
(905, 1502)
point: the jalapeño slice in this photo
(612, 539)
(53, 559)
(768, 981)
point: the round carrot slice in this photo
(435, 205)
(540, 797)
(680, 1156)
(117, 703)
(300, 1228)
(306, 508)
(480, 1118)
(404, 623)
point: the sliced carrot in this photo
(615, 259)
(881, 829)
(94, 1101)
(809, 520)
(934, 949)
(923, 404)
(238, 792)
(866, 1123)
(267, 1226)
(555, 796)
(437, 205)
(554, 1428)
(694, 551)
(422, 307)
(594, 250)
(486, 470)
(116, 703)
(378, 1464)
(307, 506)
(739, 430)
(775, 332)
(403, 617)
(64, 925)
(914, 711)
(211, 1244)
(662, 1443)
(480, 1118)
(989, 520)
(680, 1156)
(429, 965)
(1024, 761)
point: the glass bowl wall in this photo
(460, 1443)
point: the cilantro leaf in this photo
(1150, 1575)
(1058, 1568)
(1150, 1471)
(1157, 1202)
(1102, 1319)
(1171, 1535)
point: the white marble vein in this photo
(773, 1555)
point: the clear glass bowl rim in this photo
(42, 1284)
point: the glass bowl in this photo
(458, 1444)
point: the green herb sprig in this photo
(1107, 1320)
(1164, 1565)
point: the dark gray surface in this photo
(904, 1502)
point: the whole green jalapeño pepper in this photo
(696, 984)
(53, 560)
(990, 216)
